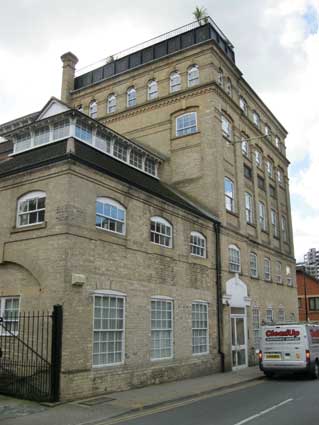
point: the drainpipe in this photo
(219, 295)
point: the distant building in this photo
(308, 295)
(311, 262)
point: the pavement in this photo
(94, 410)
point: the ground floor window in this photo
(200, 328)
(9, 315)
(108, 330)
(161, 329)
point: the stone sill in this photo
(28, 228)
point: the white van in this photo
(290, 348)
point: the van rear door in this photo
(284, 343)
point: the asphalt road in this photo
(284, 401)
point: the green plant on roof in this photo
(200, 14)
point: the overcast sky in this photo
(276, 44)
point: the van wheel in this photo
(271, 374)
(315, 370)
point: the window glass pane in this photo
(61, 129)
(110, 217)
(186, 124)
(108, 333)
(161, 329)
(161, 233)
(200, 328)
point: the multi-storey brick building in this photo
(200, 171)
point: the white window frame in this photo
(249, 208)
(256, 327)
(152, 90)
(175, 82)
(274, 223)
(193, 76)
(258, 158)
(229, 199)
(280, 176)
(256, 119)
(277, 142)
(243, 105)
(15, 318)
(93, 109)
(234, 259)
(270, 168)
(131, 98)
(110, 295)
(267, 269)
(281, 314)
(169, 329)
(186, 129)
(262, 215)
(226, 127)
(284, 230)
(111, 103)
(27, 197)
(119, 207)
(289, 276)
(198, 244)
(253, 265)
(154, 233)
(245, 146)
(200, 327)
(278, 271)
(269, 314)
(41, 135)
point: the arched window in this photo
(93, 109)
(193, 76)
(31, 209)
(220, 77)
(161, 232)
(198, 244)
(110, 215)
(229, 88)
(234, 259)
(175, 82)
(152, 90)
(131, 97)
(111, 104)
(186, 124)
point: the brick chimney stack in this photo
(69, 61)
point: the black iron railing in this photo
(30, 355)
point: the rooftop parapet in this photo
(153, 49)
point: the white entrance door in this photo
(239, 339)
